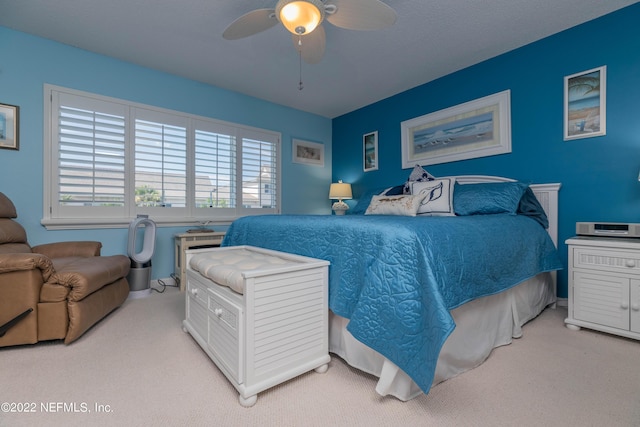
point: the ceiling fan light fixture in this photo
(300, 16)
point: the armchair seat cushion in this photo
(83, 276)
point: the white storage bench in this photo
(260, 315)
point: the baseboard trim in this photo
(562, 302)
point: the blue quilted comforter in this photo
(396, 278)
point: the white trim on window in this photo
(107, 160)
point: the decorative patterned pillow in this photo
(395, 205)
(363, 202)
(418, 174)
(438, 196)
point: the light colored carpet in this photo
(137, 368)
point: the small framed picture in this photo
(9, 120)
(308, 153)
(370, 151)
(585, 110)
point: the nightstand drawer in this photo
(627, 262)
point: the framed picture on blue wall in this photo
(9, 119)
(585, 112)
(370, 151)
(477, 128)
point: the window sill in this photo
(99, 223)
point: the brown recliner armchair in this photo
(56, 290)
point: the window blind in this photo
(160, 164)
(215, 170)
(91, 157)
(258, 173)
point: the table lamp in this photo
(340, 191)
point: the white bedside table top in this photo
(609, 242)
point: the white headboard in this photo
(547, 195)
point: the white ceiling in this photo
(431, 38)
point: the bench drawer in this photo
(226, 333)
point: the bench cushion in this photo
(225, 267)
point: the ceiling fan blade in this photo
(311, 46)
(361, 14)
(251, 23)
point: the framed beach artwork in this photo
(370, 151)
(585, 109)
(477, 128)
(308, 153)
(9, 121)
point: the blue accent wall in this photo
(599, 175)
(30, 62)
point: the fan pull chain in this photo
(300, 86)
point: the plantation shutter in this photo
(89, 153)
(259, 172)
(160, 161)
(215, 166)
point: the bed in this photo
(418, 299)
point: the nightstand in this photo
(185, 241)
(604, 285)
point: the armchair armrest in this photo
(26, 261)
(69, 249)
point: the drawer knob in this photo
(194, 291)
(624, 305)
(635, 307)
(630, 263)
(218, 312)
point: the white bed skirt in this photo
(481, 326)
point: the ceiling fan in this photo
(303, 18)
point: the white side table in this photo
(185, 241)
(604, 285)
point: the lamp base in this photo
(340, 207)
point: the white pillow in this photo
(418, 174)
(405, 205)
(437, 196)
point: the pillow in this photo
(418, 174)
(531, 207)
(394, 191)
(438, 196)
(395, 205)
(488, 198)
(364, 201)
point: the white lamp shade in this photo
(340, 191)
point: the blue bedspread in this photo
(396, 278)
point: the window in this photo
(109, 160)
